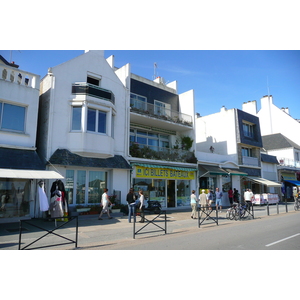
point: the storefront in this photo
(265, 191)
(170, 185)
(19, 193)
(288, 183)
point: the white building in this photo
(20, 166)
(161, 140)
(82, 128)
(228, 152)
(281, 137)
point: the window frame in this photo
(24, 115)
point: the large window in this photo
(96, 121)
(161, 108)
(246, 152)
(151, 139)
(138, 102)
(85, 187)
(12, 117)
(248, 130)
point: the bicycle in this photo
(231, 211)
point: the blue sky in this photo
(218, 77)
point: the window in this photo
(93, 80)
(78, 180)
(246, 152)
(76, 117)
(12, 117)
(248, 130)
(151, 139)
(138, 102)
(161, 108)
(96, 121)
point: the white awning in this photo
(29, 174)
(264, 181)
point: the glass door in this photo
(171, 193)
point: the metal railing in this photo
(159, 112)
(84, 88)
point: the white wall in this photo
(273, 120)
(217, 130)
(27, 96)
(88, 144)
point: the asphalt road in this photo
(278, 232)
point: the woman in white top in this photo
(105, 202)
(142, 206)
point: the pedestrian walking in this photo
(105, 202)
(142, 206)
(193, 205)
(130, 198)
(210, 199)
(219, 196)
(248, 198)
(203, 200)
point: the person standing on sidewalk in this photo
(203, 201)
(105, 202)
(142, 206)
(219, 196)
(193, 205)
(130, 198)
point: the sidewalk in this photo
(94, 233)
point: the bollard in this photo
(277, 208)
(268, 211)
(286, 208)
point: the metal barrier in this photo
(49, 232)
(162, 212)
(206, 211)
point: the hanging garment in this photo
(44, 205)
(56, 210)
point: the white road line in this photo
(292, 236)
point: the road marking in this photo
(289, 237)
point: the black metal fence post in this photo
(268, 210)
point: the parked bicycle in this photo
(238, 211)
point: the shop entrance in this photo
(171, 193)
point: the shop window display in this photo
(14, 197)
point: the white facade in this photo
(82, 107)
(273, 119)
(15, 91)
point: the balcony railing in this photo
(23, 78)
(83, 88)
(287, 162)
(160, 153)
(159, 112)
(250, 161)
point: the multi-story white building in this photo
(161, 140)
(20, 166)
(82, 128)
(280, 133)
(228, 152)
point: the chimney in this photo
(250, 107)
(223, 109)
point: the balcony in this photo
(287, 162)
(160, 113)
(250, 161)
(160, 153)
(83, 88)
(22, 78)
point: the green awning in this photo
(212, 170)
(236, 172)
(164, 167)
